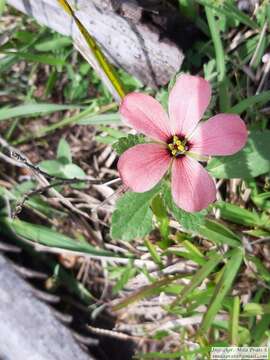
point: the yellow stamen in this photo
(177, 147)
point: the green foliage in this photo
(249, 102)
(64, 152)
(63, 167)
(223, 59)
(242, 216)
(123, 275)
(189, 221)
(56, 43)
(132, 218)
(49, 237)
(127, 142)
(2, 6)
(198, 278)
(32, 110)
(218, 233)
(252, 161)
(229, 272)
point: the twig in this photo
(119, 335)
(19, 159)
(260, 240)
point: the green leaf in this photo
(230, 10)
(133, 216)
(125, 143)
(2, 6)
(249, 102)
(252, 309)
(159, 209)
(234, 321)
(32, 110)
(64, 152)
(54, 44)
(42, 59)
(220, 58)
(116, 133)
(153, 252)
(102, 119)
(128, 272)
(48, 237)
(51, 167)
(262, 270)
(252, 161)
(147, 291)
(218, 233)
(189, 221)
(230, 271)
(73, 171)
(198, 278)
(238, 215)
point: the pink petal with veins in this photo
(188, 101)
(192, 187)
(223, 134)
(146, 115)
(142, 166)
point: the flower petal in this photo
(223, 134)
(188, 100)
(146, 115)
(192, 187)
(142, 166)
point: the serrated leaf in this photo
(125, 143)
(133, 216)
(252, 161)
(189, 221)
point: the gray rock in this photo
(28, 328)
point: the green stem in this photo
(224, 102)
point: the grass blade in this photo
(102, 119)
(42, 59)
(230, 10)
(146, 291)
(198, 278)
(32, 109)
(222, 288)
(48, 237)
(218, 233)
(234, 321)
(220, 59)
(249, 102)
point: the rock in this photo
(28, 328)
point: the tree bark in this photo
(129, 42)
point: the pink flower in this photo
(179, 141)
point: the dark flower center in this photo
(178, 146)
